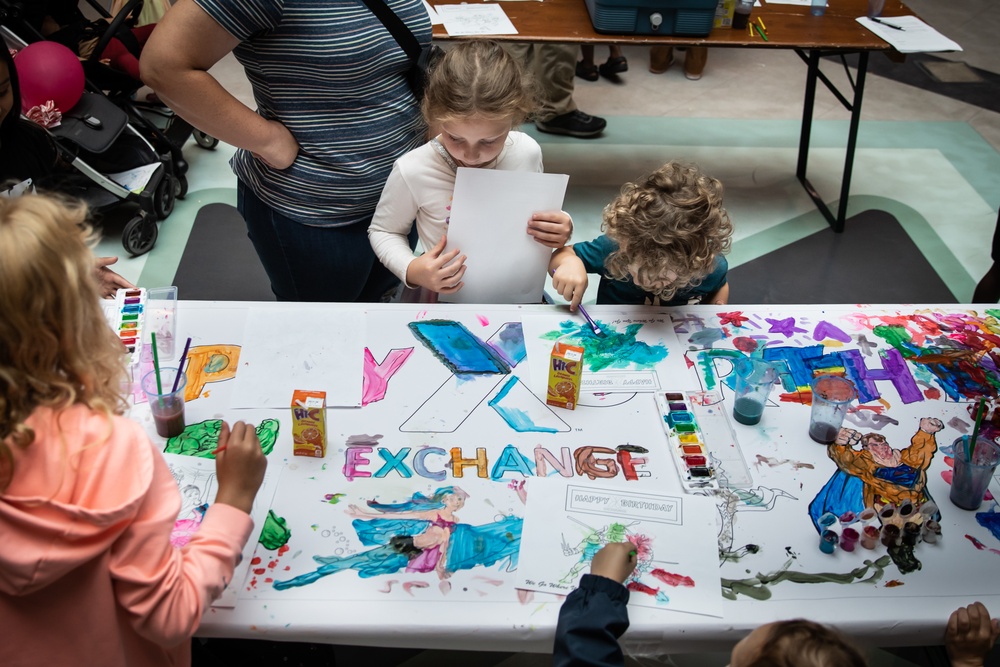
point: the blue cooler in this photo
(653, 17)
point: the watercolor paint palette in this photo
(127, 319)
(697, 426)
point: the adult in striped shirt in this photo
(334, 111)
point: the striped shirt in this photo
(331, 73)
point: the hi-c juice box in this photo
(565, 367)
(309, 423)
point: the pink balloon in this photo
(49, 71)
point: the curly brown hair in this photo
(478, 78)
(56, 348)
(802, 643)
(670, 227)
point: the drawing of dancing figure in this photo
(422, 534)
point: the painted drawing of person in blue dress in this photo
(422, 534)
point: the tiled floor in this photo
(932, 161)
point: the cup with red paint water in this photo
(166, 400)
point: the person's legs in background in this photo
(662, 57)
(306, 263)
(615, 65)
(585, 67)
(553, 66)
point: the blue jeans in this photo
(307, 263)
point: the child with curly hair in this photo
(87, 503)
(595, 615)
(476, 95)
(664, 241)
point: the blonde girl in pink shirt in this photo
(87, 504)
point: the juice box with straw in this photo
(565, 367)
(309, 423)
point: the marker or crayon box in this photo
(565, 369)
(127, 317)
(309, 423)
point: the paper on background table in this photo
(915, 36)
(567, 521)
(300, 348)
(490, 211)
(435, 19)
(198, 486)
(475, 20)
(624, 364)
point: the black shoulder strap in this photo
(399, 31)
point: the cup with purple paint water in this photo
(974, 468)
(831, 397)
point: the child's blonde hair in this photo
(56, 348)
(669, 221)
(802, 643)
(478, 78)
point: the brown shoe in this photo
(660, 58)
(694, 62)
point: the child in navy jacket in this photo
(595, 615)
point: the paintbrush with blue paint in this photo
(598, 331)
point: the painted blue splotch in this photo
(517, 419)
(458, 348)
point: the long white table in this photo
(910, 362)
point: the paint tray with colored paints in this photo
(127, 319)
(697, 426)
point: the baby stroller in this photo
(164, 129)
(96, 155)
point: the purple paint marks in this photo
(784, 326)
(826, 330)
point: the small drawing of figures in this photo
(591, 543)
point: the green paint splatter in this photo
(757, 587)
(613, 350)
(707, 365)
(202, 439)
(896, 336)
(275, 533)
(993, 312)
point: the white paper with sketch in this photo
(298, 347)
(198, 485)
(566, 522)
(475, 20)
(490, 211)
(914, 36)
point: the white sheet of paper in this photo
(475, 20)
(915, 36)
(566, 522)
(435, 19)
(198, 485)
(135, 180)
(490, 211)
(300, 348)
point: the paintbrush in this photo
(971, 448)
(598, 331)
(180, 364)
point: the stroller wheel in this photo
(180, 187)
(139, 235)
(206, 141)
(163, 198)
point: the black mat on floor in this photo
(985, 93)
(219, 262)
(872, 261)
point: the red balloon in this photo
(49, 71)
